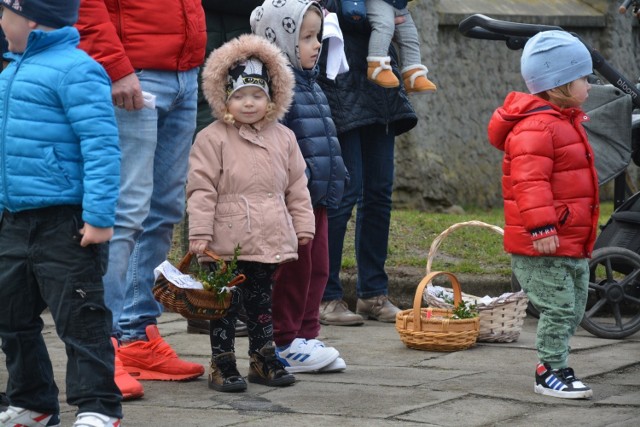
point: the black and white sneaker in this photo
(560, 383)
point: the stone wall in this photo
(446, 160)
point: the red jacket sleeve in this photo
(99, 38)
(532, 163)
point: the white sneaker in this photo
(337, 365)
(15, 416)
(94, 419)
(306, 355)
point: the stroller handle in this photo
(516, 34)
(502, 30)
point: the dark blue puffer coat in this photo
(355, 101)
(310, 119)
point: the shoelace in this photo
(161, 347)
(569, 376)
(227, 368)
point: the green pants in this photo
(557, 287)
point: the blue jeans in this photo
(43, 265)
(368, 156)
(155, 148)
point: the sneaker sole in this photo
(337, 365)
(145, 375)
(309, 368)
(229, 388)
(584, 394)
(280, 382)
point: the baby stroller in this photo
(613, 307)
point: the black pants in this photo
(255, 296)
(43, 265)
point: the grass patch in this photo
(470, 250)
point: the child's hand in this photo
(547, 245)
(303, 241)
(198, 246)
(93, 235)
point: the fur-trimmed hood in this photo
(221, 60)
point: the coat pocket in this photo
(232, 227)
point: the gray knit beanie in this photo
(554, 58)
(50, 13)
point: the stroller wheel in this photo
(613, 305)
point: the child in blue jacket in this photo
(60, 164)
(295, 26)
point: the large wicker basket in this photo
(194, 303)
(433, 328)
(500, 320)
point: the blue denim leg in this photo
(368, 155)
(176, 106)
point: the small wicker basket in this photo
(433, 328)
(194, 303)
(502, 319)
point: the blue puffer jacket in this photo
(355, 101)
(58, 134)
(309, 117)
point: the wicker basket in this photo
(193, 303)
(502, 319)
(433, 328)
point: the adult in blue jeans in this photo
(368, 118)
(156, 48)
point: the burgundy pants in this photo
(299, 286)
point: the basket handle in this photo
(183, 266)
(417, 299)
(438, 240)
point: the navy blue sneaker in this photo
(560, 383)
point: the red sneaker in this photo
(129, 387)
(156, 360)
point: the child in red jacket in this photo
(550, 191)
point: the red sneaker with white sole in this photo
(156, 360)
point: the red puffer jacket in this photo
(124, 35)
(549, 182)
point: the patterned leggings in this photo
(255, 295)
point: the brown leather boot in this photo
(415, 79)
(379, 71)
(224, 375)
(337, 313)
(377, 308)
(266, 369)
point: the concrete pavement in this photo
(387, 384)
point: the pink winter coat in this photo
(549, 182)
(248, 186)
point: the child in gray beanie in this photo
(60, 157)
(550, 190)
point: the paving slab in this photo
(388, 384)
